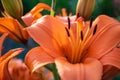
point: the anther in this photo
(68, 23)
(91, 21)
(81, 33)
(95, 29)
(68, 33)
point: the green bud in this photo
(85, 8)
(13, 8)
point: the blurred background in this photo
(108, 7)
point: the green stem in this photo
(52, 13)
(48, 67)
(22, 23)
(55, 73)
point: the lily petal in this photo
(112, 58)
(34, 14)
(15, 30)
(39, 7)
(2, 38)
(4, 63)
(36, 58)
(81, 71)
(106, 38)
(28, 19)
(65, 19)
(47, 34)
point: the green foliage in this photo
(104, 7)
(68, 4)
(29, 4)
(117, 77)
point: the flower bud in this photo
(13, 8)
(85, 8)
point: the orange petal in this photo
(39, 7)
(28, 19)
(65, 19)
(24, 34)
(50, 33)
(112, 58)
(37, 57)
(2, 38)
(91, 69)
(104, 21)
(73, 24)
(106, 37)
(15, 30)
(35, 13)
(4, 74)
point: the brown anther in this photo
(95, 29)
(81, 34)
(68, 22)
(91, 21)
(68, 33)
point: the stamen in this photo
(95, 29)
(81, 33)
(68, 33)
(91, 21)
(68, 22)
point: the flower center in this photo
(79, 39)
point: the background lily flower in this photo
(19, 71)
(88, 53)
(14, 28)
(4, 60)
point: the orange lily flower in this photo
(4, 60)
(19, 71)
(80, 50)
(15, 29)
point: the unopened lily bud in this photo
(85, 8)
(13, 8)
